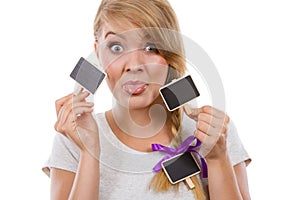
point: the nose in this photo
(135, 61)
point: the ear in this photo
(96, 48)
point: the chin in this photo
(138, 101)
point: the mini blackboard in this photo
(87, 75)
(181, 167)
(179, 92)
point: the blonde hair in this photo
(160, 21)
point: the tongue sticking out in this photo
(135, 88)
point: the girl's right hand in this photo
(76, 122)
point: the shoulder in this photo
(236, 149)
(64, 155)
(61, 143)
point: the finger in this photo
(61, 112)
(62, 115)
(213, 111)
(58, 128)
(208, 119)
(80, 111)
(220, 130)
(60, 102)
(71, 100)
(205, 128)
(80, 97)
(74, 110)
(68, 124)
(208, 142)
(211, 130)
(213, 121)
(200, 135)
(217, 113)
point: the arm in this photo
(225, 181)
(82, 185)
(86, 184)
(242, 180)
(222, 180)
(75, 121)
(61, 183)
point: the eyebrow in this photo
(113, 33)
(108, 33)
(146, 36)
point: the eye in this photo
(116, 48)
(151, 48)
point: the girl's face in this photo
(135, 70)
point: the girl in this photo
(109, 156)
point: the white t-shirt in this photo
(126, 173)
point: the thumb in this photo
(192, 112)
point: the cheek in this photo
(161, 60)
(158, 71)
(110, 83)
(113, 76)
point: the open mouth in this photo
(135, 87)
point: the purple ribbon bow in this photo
(185, 146)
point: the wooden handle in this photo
(190, 183)
(77, 90)
(187, 109)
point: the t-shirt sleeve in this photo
(64, 155)
(237, 152)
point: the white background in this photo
(254, 44)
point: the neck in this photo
(143, 122)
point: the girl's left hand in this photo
(211, 128)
